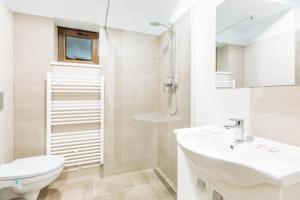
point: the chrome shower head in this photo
(169, 27)
(155, 24)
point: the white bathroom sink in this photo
(256, 162)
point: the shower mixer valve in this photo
(170, 86)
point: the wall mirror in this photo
(256, 44)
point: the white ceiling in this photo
(133, 15)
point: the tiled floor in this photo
(141, 185)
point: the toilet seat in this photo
(31, 167)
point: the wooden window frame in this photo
(63, 32)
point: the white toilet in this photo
(27, 176)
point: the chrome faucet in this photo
(239, 130)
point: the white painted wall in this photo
(285, 23)
(271, 61)
(6, 83)
(209, 105)
(181, 8)
(275, 51)
(296, 5)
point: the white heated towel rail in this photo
(80, 148)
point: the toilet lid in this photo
(31, 167)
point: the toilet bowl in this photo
(24, 178)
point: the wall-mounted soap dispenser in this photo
(1, 101)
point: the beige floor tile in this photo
(152, 177)
(140, 185)
(78, 191)
(139, 179)
(143, 193)
(162, 192)
(117, 183)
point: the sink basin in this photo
(255, 162)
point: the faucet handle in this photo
(239, 132)
(238, 122)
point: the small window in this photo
(77, 46)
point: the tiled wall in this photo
(6, 83)
(167, 153)
(134, 65)
(33, 50)
(275, 113)
(230, 58)
(131, 70)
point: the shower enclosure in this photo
(147, 96)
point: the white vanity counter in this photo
(259, 163)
